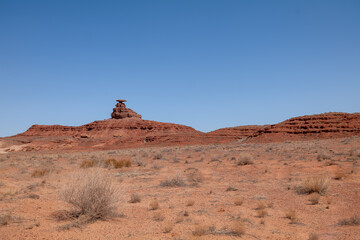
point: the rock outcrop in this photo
(237, 133)
(121, 111)
(318, 126)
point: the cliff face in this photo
(239, 132)
(327, 125)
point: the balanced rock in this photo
(121, 111)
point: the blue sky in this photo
(206, 64)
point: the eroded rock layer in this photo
(318, 126)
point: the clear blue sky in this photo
(206, 64)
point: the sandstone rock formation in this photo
(318, 126)
(121, 111)
(240, 132)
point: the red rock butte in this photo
(121, 111)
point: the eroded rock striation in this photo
(121, 111)
(318, 126)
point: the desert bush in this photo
(158, 156)
(158, 217)
(261, 212)
(154, 204)
(339, 175)
(317, 184)
(199, 230)
(134, 198)
(39, 172)
(5, 219)
(238, 229)
(314, 198)
(87, 163)
(190, 202)
(313, 236)
(291, 214)
(91, 193)
(168, 228)
(353, 221)
(245, 159)
(177, 181)
(322, 156)
(238, 201)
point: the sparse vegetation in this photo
(314, 198)
(313, 236)
(190, 202)
(291, 214)
(353, 221)
(199, 230)
(238, 228)
(158, 217)
(317, 184)
(91, 193)
(39, 173)
(154, 204)
(238, 201)
(177, 181)
(134, 198)
(245, 160)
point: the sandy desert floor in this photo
(203, 192)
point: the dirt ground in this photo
(225, 191)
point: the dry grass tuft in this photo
(314, 198)
(317, 184)
(5, 219)
(167, 228)
(173, 182)
(339, 174)
(199, 230)
(238, 229)
(91, 193)
(245, 159)
(353, 221)
(190, 203)
(291, 214)
(313, 236)
(134, 198)
(158, 217)
(261, 213)
(39, 173)
(238, 201)
(154, 204)
(87, 163)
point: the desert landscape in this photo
(128, 178)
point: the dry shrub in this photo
(322, 156)
(194, 176)
(238, 229)
(167, 228)
(91, 193)
(353, 221)
(317, 184)
(190, 202)
(158, 217)
(238, 201)
(313, 236)
(339, 174)
(291, 214)
(260, 205)
(199, 230)
(87, 163)
(314, 198)
(245, 159)
(158, 156)
(39, 172)
(5, 219)
(261, 212)
(177, 181)
(134, 198)
(154, 204)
